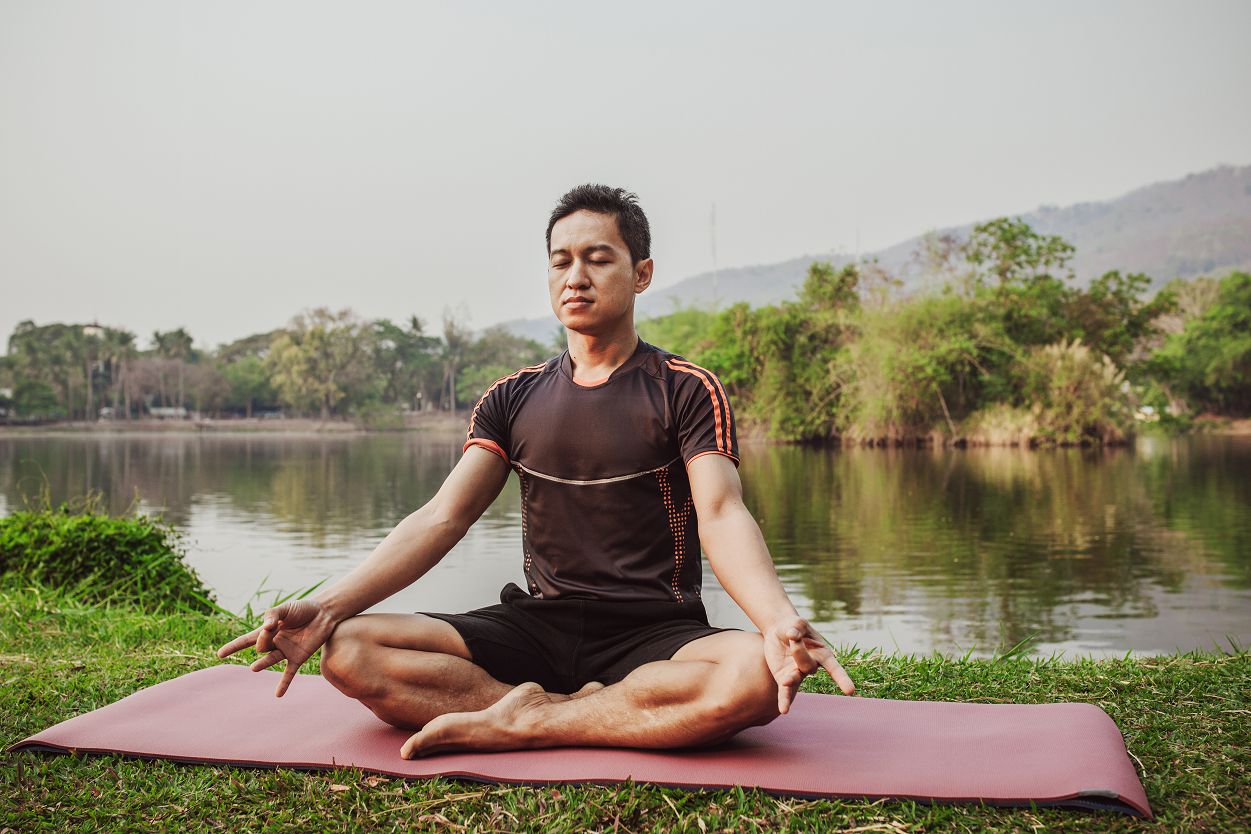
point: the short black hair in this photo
(601, 199)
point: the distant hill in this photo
(1181, 228)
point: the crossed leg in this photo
(415, 672)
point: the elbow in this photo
(445, 523)
(722, 509)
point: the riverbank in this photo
(1184, 719)
(444, 423)
(432, 422)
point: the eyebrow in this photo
(595, 247)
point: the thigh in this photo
(724, 646)
(613, 655)
(416, 632)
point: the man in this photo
(628, 465)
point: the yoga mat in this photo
(1068, 755)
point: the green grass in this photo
(1185, 719)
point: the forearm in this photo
(739, 557)
(411, 549)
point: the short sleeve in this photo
(488, 422)
(705, 421)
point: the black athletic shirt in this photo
(606, 509)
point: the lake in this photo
(1082, 552)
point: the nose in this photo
(576, 276)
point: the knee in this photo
(343, 656)
(746, 695)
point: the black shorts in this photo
(564, 644)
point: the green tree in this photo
(684, 331)
(1112, 316)
(1209, 361)
(405, 359)
(322, 358)
(36, 398)
(457, 338)
(247, 380)
(783, 364)
(494, 354)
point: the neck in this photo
(595, 356)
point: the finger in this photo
(804, 660)
(786, 694)
(266, 661)
(288, 675)
(267, 632)
(839, 675)
(238, 643)
(406, 752)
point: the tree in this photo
(1112, 317)
(1209, 362)
(495, 353)
(248, 385)
(36, 398)
(174, 345)
(404, 358)
(1011, 252)
(320, 359)
(456, 340)
(1013, 268)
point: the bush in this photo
(99, 558)
(1001, 425)
(377, 416)
(1080, 395)
(1209, 362)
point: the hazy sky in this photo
(221, 166)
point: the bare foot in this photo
(501, 726)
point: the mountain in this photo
(1178, 229)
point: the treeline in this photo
(325, 363)
(999, 346)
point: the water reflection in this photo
(1083, 551)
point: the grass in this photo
(1185, 719)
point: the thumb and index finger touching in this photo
(262, 638)
(809, 650)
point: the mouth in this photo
(576, 302)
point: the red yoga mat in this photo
(1068, 755)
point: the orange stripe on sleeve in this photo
(725, 400)
(713, 452)
(712, 392)
(489, 445)
(474, 414)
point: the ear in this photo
(642, 275)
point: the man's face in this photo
(590, 276)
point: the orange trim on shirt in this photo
(474, 414)
(724, 399)
(489, 445)
(713, 452)
(712, 392)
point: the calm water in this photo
(1087, 552)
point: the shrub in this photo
(131, 559)
(1001, 425)
(1080, 395)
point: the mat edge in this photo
(1078, 801)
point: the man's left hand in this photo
(794, 650)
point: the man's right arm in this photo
(296, 629)
(423, 538)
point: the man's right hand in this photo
(293, 631)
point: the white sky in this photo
(221, 166)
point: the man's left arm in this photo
(739, 557)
